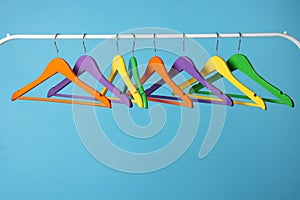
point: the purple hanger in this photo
(87, 64)
(186, 64)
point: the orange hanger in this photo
(157, 65)
(59, 65)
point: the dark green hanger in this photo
(133, 70)
(242, 63)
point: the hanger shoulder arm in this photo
(206, 70)
(164, 74)
(50, 70)
(64, 68)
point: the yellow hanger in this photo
(216, 63)
(118, 66)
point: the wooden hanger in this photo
(217, 64)
(88, 64)
(241, 62)
(184, 63)
(59, 65)
(118, 66)
(157, 65)
(133, 71)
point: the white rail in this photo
(148, 36)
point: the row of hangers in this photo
(136, 94)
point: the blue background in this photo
(257, 156)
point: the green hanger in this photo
(242, 63)
(133, 70)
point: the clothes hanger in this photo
(133, 71)
(184, 63)
(59, 65)
(241, 62)
(118, 66)
(216, 63)
(157, 65)
(87, 64)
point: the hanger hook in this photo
(217, 46)
(154, 43)
(183, 43)
(117, 42)
(133, 44)
(240, 41)
(83, 43)
(57, 51)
